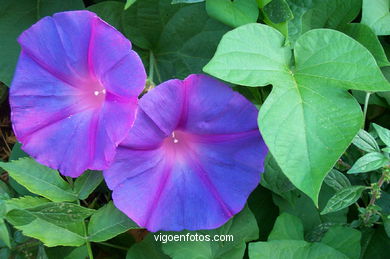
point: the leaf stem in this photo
(151, 66)
(367, 99)
(114, 246)
(87, 243)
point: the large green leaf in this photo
(17, 16)
(147, 249)
(287, 227)
(293, 249)
(107, 223)
(309, 119)
(242, 227)
(233, 13)
(109, 11)
(366, 36)
(344, 239)
(180, 38)
(311, 14)
(377, 16)
(39, 179)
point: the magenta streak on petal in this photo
(90, 48)
(161, 187)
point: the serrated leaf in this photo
(242, 226)
(60, 213)
(369, 162)
(108, 222)
(277, 11)
(287, 227)
(87, 183)
(343, 199)
(39, 179)
(365, 141)
(309, 119)
(292, 249)
(383, 133)
(50, 234)
(233, 13)
(377, 16)
(344, 239)
(336, 180)
(17, 16)
(180, 39)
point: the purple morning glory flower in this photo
(191, 159)
(74, 93)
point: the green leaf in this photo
(17, 16)
(147, 249)
(47, 232)
(129, 3)
(365, 36)
(67, 252)
(365, 142)
(344, 239)
(86, 183)
(180, 39)
(343, 199)
(378, 244)
(309, 119)
(242, 227)
(337, 180)
(108, 222)
(273, 177)
(383, 133)
(39, 179)
(233, 13)
(4, 234)
(320, 13)
(25, 202)
(386, 224)
(186, 1)
(368, 163)
(278, 11)
(109, 11)
(292, 249)
(287, 227)
(298, 204)
(60, 213)
(377, 16)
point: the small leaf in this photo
(386, 224)
(39, 179)
(86, 183)
(386, 149)
(233, 13)
(47, 232)
(369, 162)
(365, 142)
(287, 227)
(278, 11)
(129, 3)
(383, 133)
(343, 199)
(109, 222)
(336, 180)
(60, 212)
(4, 234)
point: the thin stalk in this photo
(374, 195)
(87, 243)
(367, 99)
(114, 246)
(151, 66)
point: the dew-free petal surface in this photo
(74, 93)
(191, 159)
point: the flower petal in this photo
(74, 91)
(199, 163)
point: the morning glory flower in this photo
(74, 93)
(191, 159)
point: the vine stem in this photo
(367, 99)
(88, 244)
(151, 66)
(114, 246)
(374, 195)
